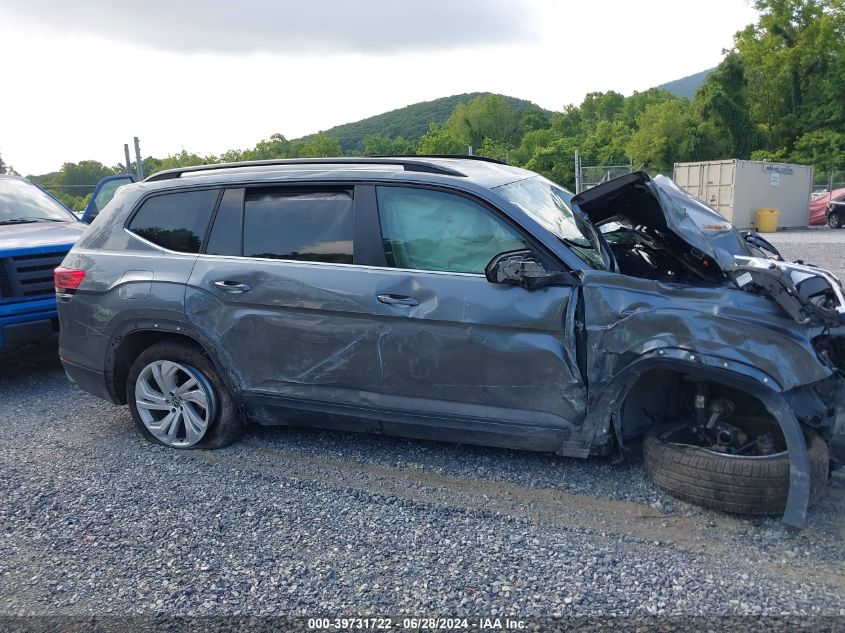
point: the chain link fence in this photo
(589, 173)
(825, 181)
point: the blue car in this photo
(36, 232)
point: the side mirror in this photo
(520, 268)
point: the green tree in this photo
(232, 156)
(487, 117)
(494, 149)
(2, 166)
(555, 160)
(607, 142)
(535, 118)
(823, 148)
(722, 100)
(277, 146)
(568, 122)
(72, 202)
(318, 146)
(669, 132)
(377, 145)
(76, 179)
(638, 102)
(439, 141)
(600, 106)
(173, 161)
(794, 61)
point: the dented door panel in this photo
(478, 349)
(301, 330)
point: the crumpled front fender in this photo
(606, 404)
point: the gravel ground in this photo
(95, 520)
(818, 245)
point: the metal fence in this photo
(828, 180)
(589, 173)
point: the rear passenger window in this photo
(175, 221)
(313, 226)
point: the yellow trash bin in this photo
(767, 220)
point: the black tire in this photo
(226, 426)
(834, 221)
(740, 485)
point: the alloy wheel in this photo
(175, 402)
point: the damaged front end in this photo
(809, 295)
(657, 231)
(701, 306)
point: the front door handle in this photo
(399, 300)
(231, 286)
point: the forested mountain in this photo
(686, 87)
(410, 122)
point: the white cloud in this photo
(292, 27)
(70, 96)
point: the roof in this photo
(483, 171)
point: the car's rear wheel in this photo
(834, 221)
(756, 482)
(178, 399)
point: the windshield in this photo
(22, 202)
(548, 205)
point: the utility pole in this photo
(128, 162)
(139, 166)
(577, 172)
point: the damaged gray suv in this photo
(465, 300)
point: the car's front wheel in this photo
(752, 481)
(834, 221)
(178, 399)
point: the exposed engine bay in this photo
(648, 254)
(654, 230)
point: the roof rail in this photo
(409, 163)
(485, 159)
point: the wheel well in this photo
(661, 395)
(128, 349)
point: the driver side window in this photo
(424, 229)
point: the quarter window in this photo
(175, 221)
(225, 235)
(424, 229)
(313, 226)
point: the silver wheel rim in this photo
(175, 402)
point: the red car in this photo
(829, 209)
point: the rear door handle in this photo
(399, 300)
(231, 286)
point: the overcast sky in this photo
(80, 78)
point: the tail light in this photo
(67, 280)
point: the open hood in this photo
(660, 205)
(660, 213)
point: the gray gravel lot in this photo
(818, 245)
(93, 519)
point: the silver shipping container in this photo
(738, 188)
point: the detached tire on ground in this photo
(178, 399)
(740, 485)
